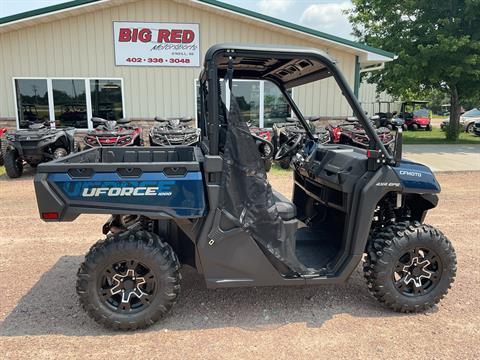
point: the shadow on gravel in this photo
(51, 306)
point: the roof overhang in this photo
(55, 12)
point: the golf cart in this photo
(416, 115)
(386, 119)
(211, 206)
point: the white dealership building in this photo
(141, 58)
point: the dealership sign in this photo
(156, 44)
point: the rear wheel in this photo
(429, 127)
(13, 163)
(129, 281)
(414, 127)
(409, 266)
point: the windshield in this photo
(272, 85)
(421, 113)
(472, 113)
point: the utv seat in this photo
(286, 209)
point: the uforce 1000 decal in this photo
(89, 189)
(125, 191)
(153, 191)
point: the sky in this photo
(323, 15)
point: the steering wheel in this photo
(288, 147)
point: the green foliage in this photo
(437, 43)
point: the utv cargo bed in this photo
(157, 182)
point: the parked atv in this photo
(263, 141)
(289, 137)
(173, 131)
(35, 145)
(2, 132)
(211, 206)
(351, 132)
(113, 133)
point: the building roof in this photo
(21, 19)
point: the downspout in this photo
(356, 81)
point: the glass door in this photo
(69, 102)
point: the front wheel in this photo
(470, 128)
(129, 280)
(13, 163)
(409, 266)
(429, 127)
(59, 153)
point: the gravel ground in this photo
(40, 316)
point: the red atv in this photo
(352, 133)
(416, 115)
(113, 133)
(2, 132)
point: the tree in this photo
(437, 43)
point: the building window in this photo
(68, 102)
(247, 94)
(32, 101)
(261, 102)
(276, 107)
(106, 98)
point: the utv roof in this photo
(289, 66)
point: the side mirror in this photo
(397, 156)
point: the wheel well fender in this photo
(419, 204)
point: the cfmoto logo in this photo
(410, 173)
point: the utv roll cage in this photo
(286, 68)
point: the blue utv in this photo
(210, 206)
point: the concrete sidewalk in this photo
(445, 157)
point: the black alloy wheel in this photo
(129, 280)
(127, 286)
(409, 266)
(417, 272)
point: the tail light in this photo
(50, 215)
